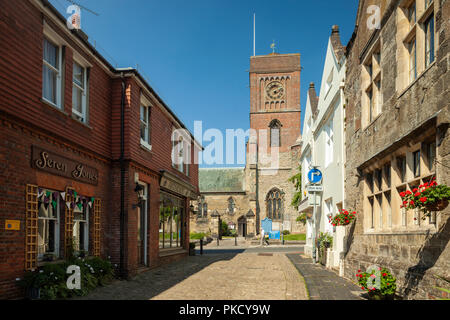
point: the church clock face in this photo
(275, 90)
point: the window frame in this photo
(84, 99)
(86, 227)
(59, 76)
(430, 40)
(56, 253)
(144, 143)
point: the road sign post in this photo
(315, 179)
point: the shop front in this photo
(174, 214)
(63, 209)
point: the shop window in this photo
(171, 229)
(48, 224)
(81, 229)
(51, 73)
(79, 92)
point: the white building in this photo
(323, 146)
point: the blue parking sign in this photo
(315, 175)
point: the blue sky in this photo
(196, 53)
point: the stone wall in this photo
(415, 254)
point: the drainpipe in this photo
(122, 181)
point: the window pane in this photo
(49, 78)
(46, 236)
(143, 114)
(78, 75)
(416, 163)
(77, 100)
(51, 53)
(429, 41)
(144, 132)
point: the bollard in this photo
(217, 241)
(235, 240)
(201, 246)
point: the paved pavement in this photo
(224, 276)
(324, 284)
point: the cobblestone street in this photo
(226, 276)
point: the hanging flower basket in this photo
(428, 197)
(437, 206)
(343, 218)
(309, 215)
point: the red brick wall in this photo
(288, 114)
(15, 173)
(25, 121)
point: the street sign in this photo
(314, 200)
(314, 176)
(314, 188)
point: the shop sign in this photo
(12, 225)
(61, 166)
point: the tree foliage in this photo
(297, 181)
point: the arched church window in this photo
(231, 205)
(275, 133)
(205, 210)
(274, 204)
(202, 207)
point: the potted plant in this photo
(428, 197)
(192, 248)
(343, 218)
(324, 241)
(382, 288)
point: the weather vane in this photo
(273, 46)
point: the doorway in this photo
(242, 226)
(142, 220)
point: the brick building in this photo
(397, 116)
(262, 189)
(85, 153)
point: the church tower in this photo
(275, 109)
